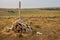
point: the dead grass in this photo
(49, 26)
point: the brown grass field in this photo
(45, 21)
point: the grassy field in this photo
(42, 13)
(31, 12)
(45, 21)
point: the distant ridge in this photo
(55, 8)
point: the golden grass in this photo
(46, 24)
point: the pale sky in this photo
(29, 3)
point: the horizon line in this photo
(30, 8)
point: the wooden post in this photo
(19, 9)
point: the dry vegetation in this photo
(44, 21)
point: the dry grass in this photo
(49, 26)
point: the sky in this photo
(29, 3)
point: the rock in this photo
(38, 33)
